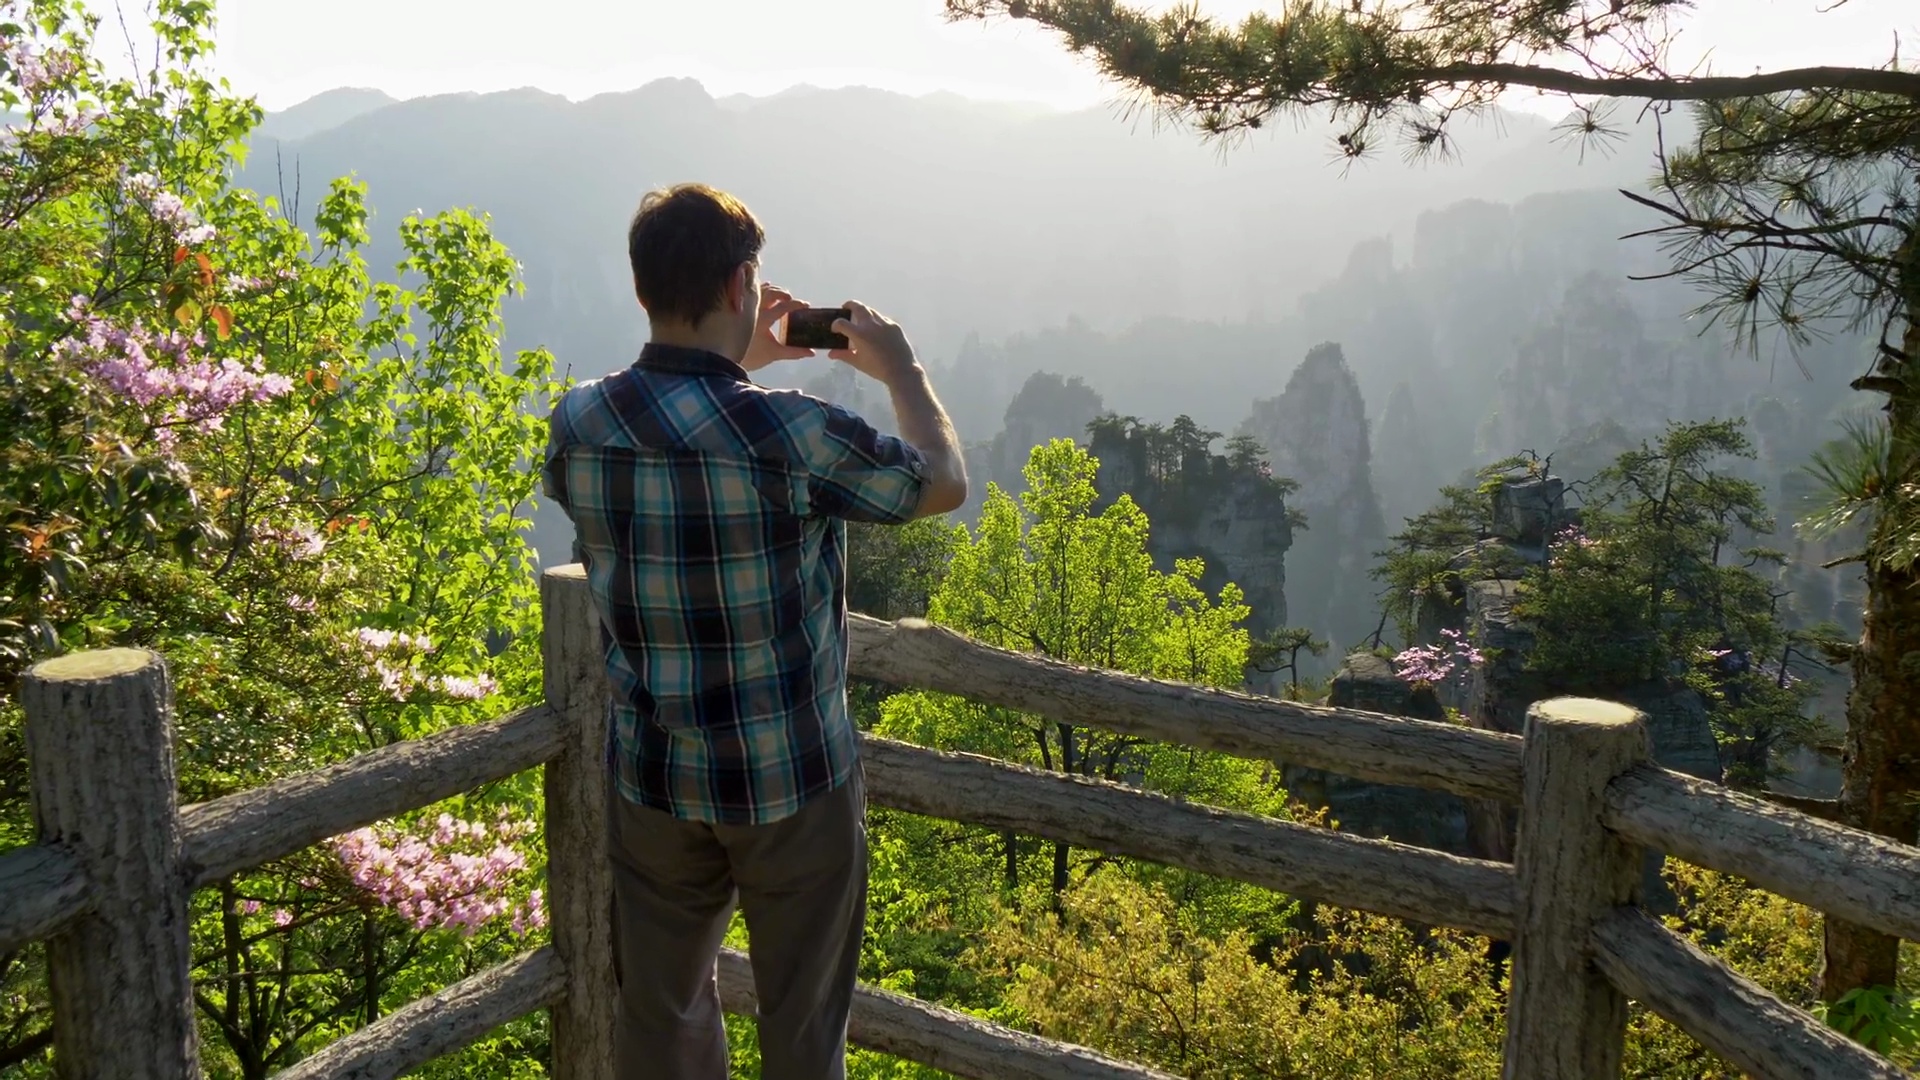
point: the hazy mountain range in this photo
(956, 216)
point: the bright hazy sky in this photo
(284, 51)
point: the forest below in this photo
(286, 446)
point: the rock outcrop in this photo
(1434, 819)
(1527, 509)
(1047, 407)
(1316, 435)
(1406, 462)
(1230, 513)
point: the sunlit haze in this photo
(284, 51)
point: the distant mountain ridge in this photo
(322, 112)
(957, 216)
(1186, 275)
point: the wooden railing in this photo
(108, 884)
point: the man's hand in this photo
(765, 348)
(879, 348)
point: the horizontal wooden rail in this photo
(41, 888)
(1373, 875)
(944, 1039)
(1724, 1011)
(1370, 746)
(439, 1024)
(1842, 871)
(238, 832)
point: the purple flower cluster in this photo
(282, 918)
(455, 877)
(252, 283)
(300, 541)
(1437, 664)
(169, 209)
(399, 681)
(37, 72)
(1571, 538)
(159, 373)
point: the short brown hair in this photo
(684, 242)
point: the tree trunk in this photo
(1880, 770)
(1070, 766)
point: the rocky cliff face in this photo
(1433, 819)
(1592, 358)
(1407, 465)
(1526, 510)
(1229, 512)
(1316, 434)
(1047, 407)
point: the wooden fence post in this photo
(99, 736)
(1565, 1021)
(579, 877)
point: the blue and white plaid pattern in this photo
(711, 516)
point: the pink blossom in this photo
(169, 209)
(282, 917)
(249, 907)
(299, 540)
(452, 877)
(1440, 663)
(466, 689)
(393, 681)
(247, 283)
(383, 640)
(67, 124)
(37, 72)
(399, 678)
(159, 373)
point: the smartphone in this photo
(812, 328)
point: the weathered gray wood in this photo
(1373, 875)
(1843, 871)
(579, 876)
(944, 1039)
(1565, 1021)
(439, 1024)
(1371, 746)
(100, 749)
(1723, 1010)
(240, 831)
(42, 888)
(1824, 809)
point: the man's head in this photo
(695, 254)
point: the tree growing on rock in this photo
(1794, 199)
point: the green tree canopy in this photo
(1048, 575)
(221, 438)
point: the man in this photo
(711, 516)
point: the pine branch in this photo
(1682, 87)
(1314, 54)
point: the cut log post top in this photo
(99, 736)
(1565, 1020)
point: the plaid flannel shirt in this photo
(711, 516)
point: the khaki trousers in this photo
(800, 882)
